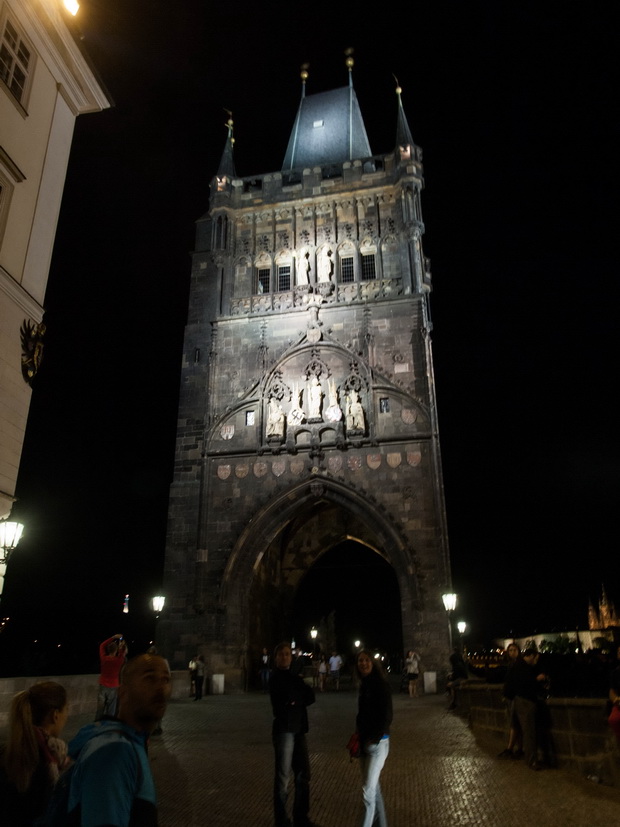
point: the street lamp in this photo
(157, 605)
(10, 535)
(449, 602)
(313, 634)
(462, 626)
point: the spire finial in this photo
(230, 124)
(398, 86)
(304, 78)
(349, 63)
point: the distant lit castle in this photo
(605, 616)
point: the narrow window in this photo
(262, 280)
(346, 270)
(368, 267)
(14, 61)
(284, 278)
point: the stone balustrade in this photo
(581, 738)
(81, 691)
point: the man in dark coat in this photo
(290, 696)
(524, 683)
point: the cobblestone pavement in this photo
(213, 767)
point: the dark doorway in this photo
(361, 590)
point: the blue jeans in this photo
(107, 700)
(372, 760)
(291, 754)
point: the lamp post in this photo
(313, 634)
(10, 535)
(449, 602)
(157, 604)
(462, 626)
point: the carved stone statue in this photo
(315, 396)
(295, 415)
(355, 413)
(333, 412)
(304, 268)
(326, 264)
(275, 419)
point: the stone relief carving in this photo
(275, 419)
(325, 264)
(333, 412)
(296, 416)
(315, 395)
(355, 414)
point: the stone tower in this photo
(307, 412)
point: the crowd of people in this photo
(41, 776)
(527, 683)
(103, 777)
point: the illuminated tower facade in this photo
(307, 413)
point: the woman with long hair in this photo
(373, 721)
(34, 754)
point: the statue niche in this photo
(275, 420)
(314, 393)
(355, 415)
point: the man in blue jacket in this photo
(112, 784)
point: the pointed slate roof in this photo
(403, 133)
(328, 129)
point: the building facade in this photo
(46, 81)
(307, 413)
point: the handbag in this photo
(353, 746)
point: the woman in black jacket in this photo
(373, 721)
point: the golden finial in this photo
(304, 71)
(349, 55)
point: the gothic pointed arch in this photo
(282, 526)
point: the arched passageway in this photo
(350, 593)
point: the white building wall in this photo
(35, 141)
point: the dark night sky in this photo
(515, 107)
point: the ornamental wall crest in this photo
(242, 470)
(354, 463)
(408, 416)
(334, 464)
(374, 461)
(227, 431)
(31, 335)
(260, 468)
(278, 467)
(394, 460)
(297, 466)
(414, 458)
(223, 471)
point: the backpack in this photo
(57, 813)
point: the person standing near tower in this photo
(112, 655)
(373, 721)
(290, 697)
